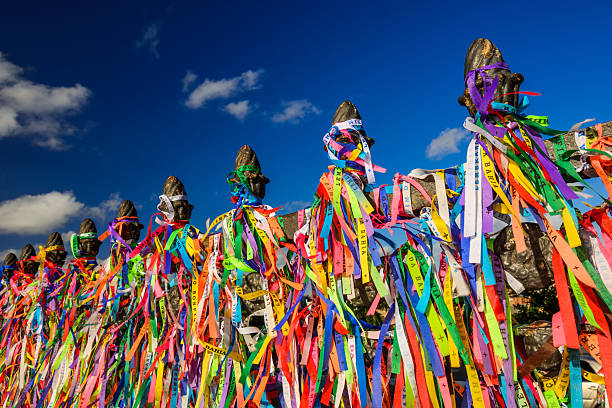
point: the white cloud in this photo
(106, 210)
(4, 253)
(66, 237)
(8, 121)
(296, 205)
(446, 143)
(44, 213)
(37, 214)
(212, 89)
(149, 39)
(239, 110)
(37, 110)
(294, 111)
(9, 72)
(188, 79)
(30, 98)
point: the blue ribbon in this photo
(575, 377)
(426, 334)
(376, 381)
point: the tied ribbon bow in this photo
(74, 242)
(164, 199)
(42, 254)
(241, 191)
(355, 155)
(41, 257)
(489, 85)
(112, 229)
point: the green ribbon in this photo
(239, 173)
(247, 367)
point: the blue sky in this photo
(99, 105)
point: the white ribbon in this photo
(473, 127)
(164, 199)
(350, 125)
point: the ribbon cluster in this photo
(330, 316)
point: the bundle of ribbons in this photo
(330, 317)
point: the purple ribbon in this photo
(114, 234)
(489, 85)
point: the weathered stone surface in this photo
(10, 263)
(256, 181)
(10, 260)
(182, 208)
(29, 266)
(252, 282)
(173, 300)
(88, 247)
(532, 267)
(534, 336)
(346, 111)
(56, 256)
(483, 53)
(129, 231)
